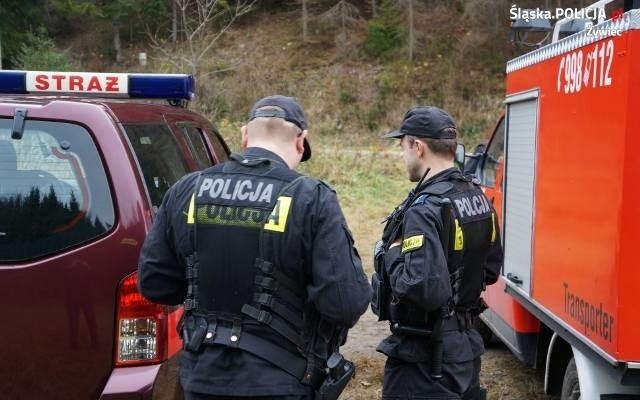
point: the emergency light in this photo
(150, 86)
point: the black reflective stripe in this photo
(278, 308)
(289, 362)
(266, 318)
(267, 268)
(283, 292)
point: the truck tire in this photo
(571, 384)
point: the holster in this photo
(340, 373)
(194, 330)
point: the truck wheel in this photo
(570, 384)
(484, 331)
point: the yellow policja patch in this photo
(277, 221)
(458, 243)
(191, 211)
(412, 243)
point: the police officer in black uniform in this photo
(263, 260)
(439, 249)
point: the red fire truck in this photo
(563, 171)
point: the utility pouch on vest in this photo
(194, 331)
(340, 373)
(380, 284)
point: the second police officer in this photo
(264, 262)
(439, 249)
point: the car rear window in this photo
(159, 156)
(53, 190)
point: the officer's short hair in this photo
(442, 147)
(277, 127)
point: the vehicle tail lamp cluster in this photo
(141, 327)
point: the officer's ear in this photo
(300, 141)
(420, 147)
(244, 137)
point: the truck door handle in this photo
(514, 278)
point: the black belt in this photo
(294, 364)
(459, 321)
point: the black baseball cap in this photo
(426, 122)
(289, 110)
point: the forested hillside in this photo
(356, 66)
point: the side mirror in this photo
(459, 157)
(473, 160)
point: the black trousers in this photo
(412, 381)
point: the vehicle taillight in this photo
(141, 327)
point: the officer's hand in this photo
(396, 243)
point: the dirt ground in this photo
(503, 375)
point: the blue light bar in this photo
(149, 86)
(13, 82)
(162, 86)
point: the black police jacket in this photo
(419, 270)
(317, 242)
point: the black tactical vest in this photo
(469, 228)
(231, 208)
(237, 295)
(473, 228)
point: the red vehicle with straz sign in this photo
(85, 161)
(562, 170)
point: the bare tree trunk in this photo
(305, 18)
(411, 31)
(374, 12)
(174, 20)
(116, 39)
(343, 17)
